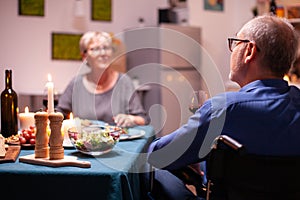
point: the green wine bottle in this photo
(9, 107)
(273, 7)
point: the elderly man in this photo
(264, 115)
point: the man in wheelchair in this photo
(262, 119)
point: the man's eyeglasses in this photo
(233, 42)
(98, 50)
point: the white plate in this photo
(67, 143)
(132, 134)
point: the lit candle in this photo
(50, 88)
(67, 124)
(26, 119)
(71, 116)
(286, 78)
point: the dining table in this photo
(115, 175)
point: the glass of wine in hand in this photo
(198, 97)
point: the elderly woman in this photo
(103, 93)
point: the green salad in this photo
(94, 140)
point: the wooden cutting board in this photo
(66, 161)
(12, 153)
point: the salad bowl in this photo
(94, 140)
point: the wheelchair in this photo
(233, 174)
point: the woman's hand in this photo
(124, 120)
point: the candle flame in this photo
(71, 116)
(286, 78)
(49, 77)
(26, 109)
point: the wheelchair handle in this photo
(232, 143)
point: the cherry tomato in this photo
(32, 141)
(22, 140)
(26, 136)
(29, 131)
(32, 136)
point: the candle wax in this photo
(67, 124)
(50, 88)
(26, 119)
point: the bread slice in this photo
(2, 147)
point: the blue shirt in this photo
(264, 116)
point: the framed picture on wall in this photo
(101, 10)
(214, 5)
(293, 12)
(178, 3)
(32, 7)
(65, 46)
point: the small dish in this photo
(132, 134)
(27, 146)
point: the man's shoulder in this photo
(227, 99)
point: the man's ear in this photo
(250, 52)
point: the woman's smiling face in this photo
(99, 53)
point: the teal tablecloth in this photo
(112, 176)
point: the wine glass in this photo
(198, 97)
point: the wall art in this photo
(32, 7)
(214, 5)
(65, 46)
(293, 12)
(101, 10)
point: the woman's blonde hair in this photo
(92, 36)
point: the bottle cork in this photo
(41, 149)
(56, 138)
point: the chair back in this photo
(235, 175)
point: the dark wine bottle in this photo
(9, 107)
(273, 7)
